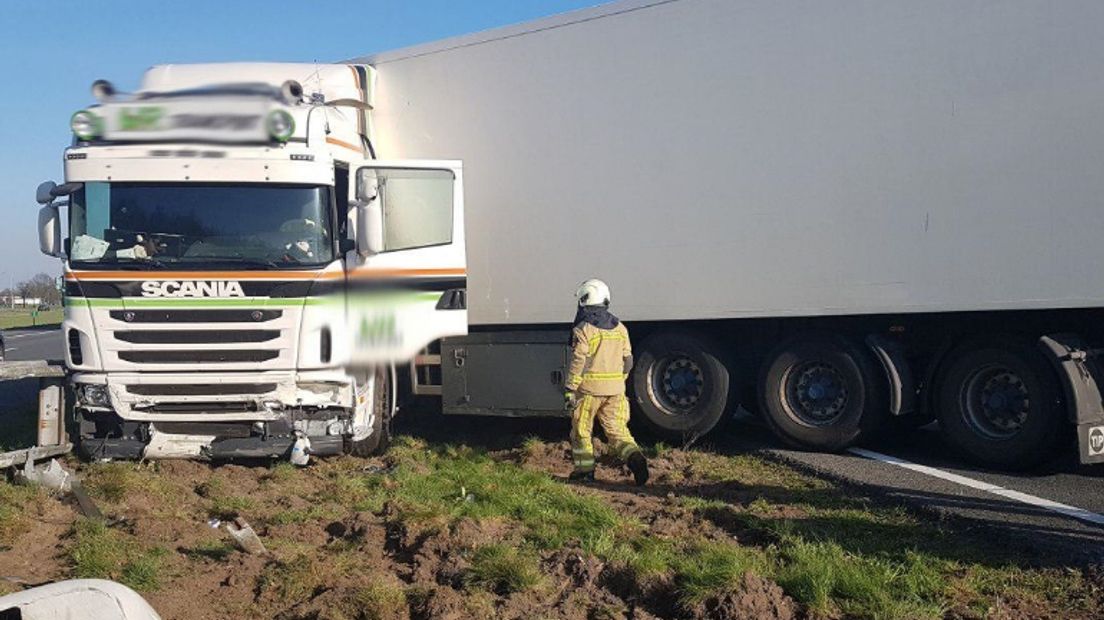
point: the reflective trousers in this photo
(613, 414)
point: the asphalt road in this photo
(33, 344)
(1033, 505)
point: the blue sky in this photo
(52, 50)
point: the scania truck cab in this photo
(241, 273)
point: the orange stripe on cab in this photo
(392, 273)
(202, 275)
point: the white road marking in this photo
(25, 334)
(1040, 502)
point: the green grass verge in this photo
(16, 502)
(503, 569)
(15, 319)
(834, 553)
(444, 485)
(99, 552)
(837, 554)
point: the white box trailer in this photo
(839, 214)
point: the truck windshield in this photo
(152, 225)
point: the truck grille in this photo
(188, 339)
(196, 316)
(203, 356)
(205, 407)
(197, 336)
(200, 389)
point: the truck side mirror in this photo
(65, 189)
(369, 228)
(49, 230)
(44, 195)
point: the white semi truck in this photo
(842, 216)
(217, 285)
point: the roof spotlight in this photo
(292, 92)
(103, 90)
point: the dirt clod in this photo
(754, 598)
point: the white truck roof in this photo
(334, 81)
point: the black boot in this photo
(581, 476)
(639, 468)
(638, 465)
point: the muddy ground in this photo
(473, 519)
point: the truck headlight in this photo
(280, 125)
(86, 125)
(94, 395)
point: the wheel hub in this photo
(816, 392)
(997, 402)
(681, 383)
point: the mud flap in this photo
(1081, 380)
(899, 379)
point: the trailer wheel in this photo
(820, 391)
(680, 384)
(380, 438)
(1000, 403)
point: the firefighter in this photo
(601, 357)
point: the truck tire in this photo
(999, 403)
(680, 384)
(380, 438)
(820, 391)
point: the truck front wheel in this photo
(680, 384)
(1000, 403)
(822, 392)
(380, 437)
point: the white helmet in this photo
(593, 292)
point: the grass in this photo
(837, 554)
(302, 515)
(385, 599)
(833, 552)
(21, 317)
(444, 485)
(293, 578)
(111, 482)
(222, 503)
(708, 568)
(503, 569)
(840, 555)
(99, 552)
(299, 573)
(826, 578)
(15, 503)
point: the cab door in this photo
(406, 282)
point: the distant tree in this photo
(42, 286)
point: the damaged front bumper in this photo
(197, 415)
